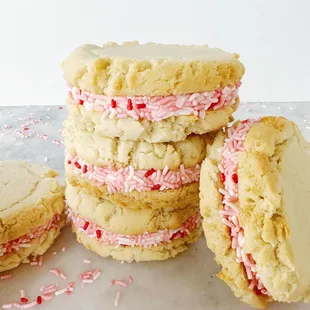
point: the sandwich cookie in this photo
(254, 193)
(152, 92)
(130, 234)
(31, 211)
(132, 173)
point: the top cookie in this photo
(151, 69)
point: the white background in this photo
(272, 37)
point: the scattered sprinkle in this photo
(6, 277)
(121, 283)
(117, 298)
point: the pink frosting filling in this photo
(156, 108)
(128, 179)
(25, 241)
(228, 167)
(146, 239)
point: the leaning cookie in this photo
(152, 92)
(254, 193)
(131, 234)
(31, 212)
(132, 173)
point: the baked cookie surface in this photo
(103, 151)
(150, 69)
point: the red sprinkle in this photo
(223, 178)
(39, 300)
(86, 225)
(234, 178)
(24, 299)
(141, 105)
(149, 172)
(77, 165)
(155, 187)
(85, 169)
(81, 102)
(98, 233)
(60, 108)
(113, 103)
(129, 104)
(69, 162)
(26, 128)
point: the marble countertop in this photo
(186, 282)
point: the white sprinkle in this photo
(59, 292)
(117, 297)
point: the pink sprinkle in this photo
(87, 261)
(117, 297)
(63, 249)
(121, 283)
(63, 276)
(30, 305)
(34, 263)
(40, 260)
(130, 279)
(16, 305)
(112, 282)
(71, 284)
(56, 272)
(54, 253)
(6, 277)
(46, 297)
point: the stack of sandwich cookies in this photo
(31, 213)
(140, 118)
(153, 186)
(254, 189)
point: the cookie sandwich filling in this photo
(145, 240)
(233, 146)
(25, 240)
(128, 179)
(155, 108)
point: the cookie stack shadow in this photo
(136, 135)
